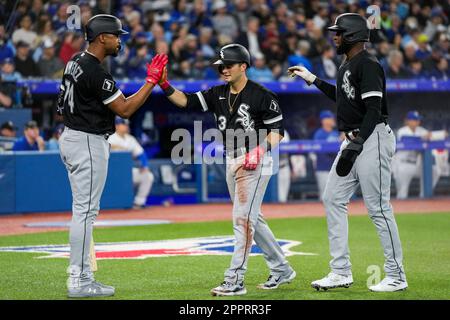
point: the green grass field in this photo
(425, 239)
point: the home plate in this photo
(99, 223)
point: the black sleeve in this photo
(271, 114)
(202, 99)
(104, 86)
(372, 76)
(327, 88)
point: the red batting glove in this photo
(155, 69)
(253, 157)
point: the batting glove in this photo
(253, 157)
(348, 157)
(155, 68)
(303, 73)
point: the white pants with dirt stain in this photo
(247, 189)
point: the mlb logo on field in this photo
(223, 245)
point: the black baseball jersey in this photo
(86, 90)
(254, 108)
(359, 78)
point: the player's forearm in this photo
(273, 139)
(134, 102)
(178, 98)
(126, 106)
(327, 88)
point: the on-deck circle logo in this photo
(221, 245)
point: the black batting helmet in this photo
(103, 23)
(233, 53)
(353, 26)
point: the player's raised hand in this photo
(303, 73)
(156, 67)
(164, 82)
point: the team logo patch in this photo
(108, 85)
(274, 106)
(222, 245)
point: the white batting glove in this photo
(303, 73)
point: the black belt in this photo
(352, 134)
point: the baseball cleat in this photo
(389, 285)
(229, 289)
(274, 282)
(331, 281)
(94, 289)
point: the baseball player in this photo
(89, 100)
(242, 107)
(142, 176)
(364, 158)
(407, 164)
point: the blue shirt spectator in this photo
(31, 140)
(329, 134)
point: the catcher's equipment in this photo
(103, 23)
(354, 28)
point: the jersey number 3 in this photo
(68, 95)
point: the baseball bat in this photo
(92, 257)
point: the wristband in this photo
(169, 90)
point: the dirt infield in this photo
(14, 224)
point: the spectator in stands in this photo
(73, 43)
(137, 65)
(25, 65)
(410, 53)
(50, 66)
(325, 66)
(442, 71)
(242, 13)
(324, 161)
(275, 53)
(430, 64)
(198, 17)
(407, 164)
(8, 130)
(223, 22)
(8, 71)
(45, 30)
(53, 142)
(396, 69)
(415, 67)
(142, 176)
(251, 38)
(6, 48)
(31, 140)
(423, 51)
(259, 71)
(301, 55)
(25, 33)
(205, 42)
(60, 18)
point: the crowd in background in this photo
(412, 40)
